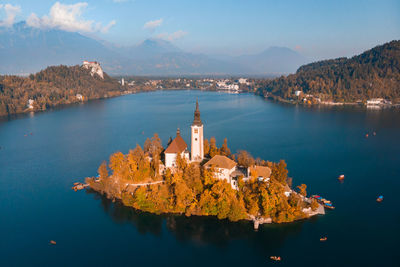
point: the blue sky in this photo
(317, 29)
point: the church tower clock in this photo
(197, 149)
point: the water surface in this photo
(37, 171)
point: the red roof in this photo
(178, 145)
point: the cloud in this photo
(67, 18)
(106, 28)
(151, 25)
(11, 13)
(172, 36)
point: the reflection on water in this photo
(199, 229)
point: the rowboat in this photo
(275, 258)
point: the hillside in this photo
(53, 86)
(374, 73)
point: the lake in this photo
(66, 145)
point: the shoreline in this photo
(330, 103)
(270, 97)
(256, 220)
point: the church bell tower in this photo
(197, 149)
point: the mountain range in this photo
(24, 50)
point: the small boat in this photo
(329, 206)
(79, 186)
(341, 177)
(326, 203)
(52, 242)
(366, 136)
(379, 199)
(275, 258)
(322, 239)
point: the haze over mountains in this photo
(25, 50)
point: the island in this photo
(208, 181)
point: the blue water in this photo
(37, 171)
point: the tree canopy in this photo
(372, 74)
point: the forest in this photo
(192, 190)
(53, 86)
(372, 74)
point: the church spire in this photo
(197, 120)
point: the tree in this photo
(245, 159)
(147, 146)
(314, 204)
(156, 145)
(206, 147)
(213, 147)
(302, 189)
(103, 172)
(224, 150)
(192, 177)
(116, 162)
(279, 172)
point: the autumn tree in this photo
(279, 172)
(103, 172)
(213, 147)
(314, 204)
(302, 188)
(245, 159)
(206, 147)
(224, 150)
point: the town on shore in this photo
(207, 181)
(369, 80)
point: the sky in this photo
(316, 29)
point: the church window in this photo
(196, 130)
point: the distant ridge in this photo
(372, 74)
(24, 50)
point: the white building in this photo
(262, 173)
(375, 101)
(242, 81)
(297, 93)
(79, 97)
(223, 168)
(30, 103)
(177, 146)
(197, 143)
(122, 81)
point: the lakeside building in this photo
(197, 140)
(30, 103)
(262, 173)
(223, 167)
(177, 146)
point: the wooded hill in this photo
(374, 73)
(53, 86)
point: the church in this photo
(179, 146)
(223, 167)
